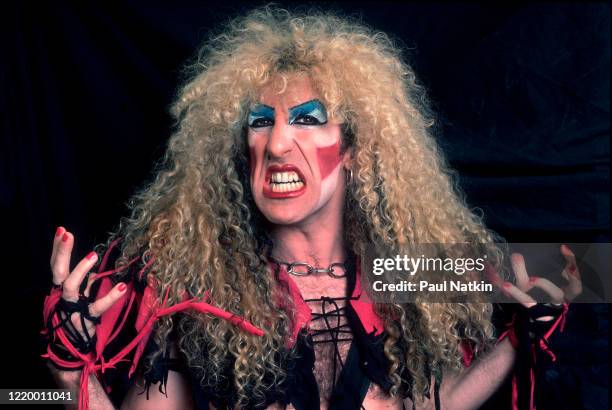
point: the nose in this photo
(281, 141)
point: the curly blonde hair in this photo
(199, 220)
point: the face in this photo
(296, 165)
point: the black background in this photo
(521, 92)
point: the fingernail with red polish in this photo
(91, 255)
(65, 237)
(122, 287)
(59, 231)
(507, 285)
(533, 279)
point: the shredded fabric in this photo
(112, 321)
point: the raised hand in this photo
(525, 283)
(542, 319)
(77, 312)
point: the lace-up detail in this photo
(334, 328)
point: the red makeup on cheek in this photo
(328, 158)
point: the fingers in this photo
(492, 276)
(524, 283)
(518, 265)
(100, 306)
(103, 304)
(73, 281)
(571, 274)
(60, 257)
(90, 281)
(555, 293)
(569, 256)
(59, 232)
(523, 298)
(573, 289)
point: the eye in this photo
(309, 113)
(307, 120)
(261, 122)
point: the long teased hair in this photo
(199, 221)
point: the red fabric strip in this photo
(364, 307)
(149, 311)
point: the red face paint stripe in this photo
(328, 158)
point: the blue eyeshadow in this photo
(313, 108)
(260, 111)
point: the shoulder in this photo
(165, 385)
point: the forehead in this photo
(288, 91)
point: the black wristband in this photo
(538, 327)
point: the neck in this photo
(318, 241)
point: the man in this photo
(302, 141)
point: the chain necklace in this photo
(306, 269)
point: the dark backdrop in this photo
(521, 92)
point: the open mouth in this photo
(284, 181)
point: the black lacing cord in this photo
(334, 331)
(84, 343)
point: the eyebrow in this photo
(313, 102)
(262, 109)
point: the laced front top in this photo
(335, 327)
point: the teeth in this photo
(283, 177)
(286, 186)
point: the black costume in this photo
(364, 364)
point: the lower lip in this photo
(268, 193)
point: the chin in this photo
(278, 217)
(284, 212)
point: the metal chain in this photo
(330, 270)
